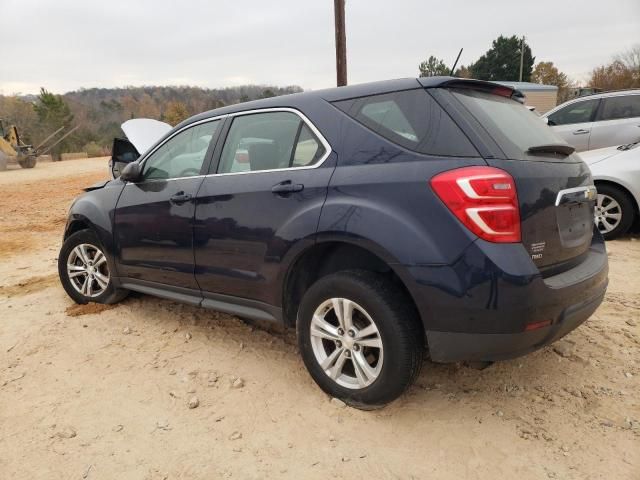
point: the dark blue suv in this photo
(376, 219)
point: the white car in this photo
(598, 121)
(616, 174)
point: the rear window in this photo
(412, 119)
(511, 125)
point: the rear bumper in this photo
(480, 307)
(454, 346)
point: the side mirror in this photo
(132, 172)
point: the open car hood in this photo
(143, 133)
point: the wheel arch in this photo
(76, 225)
(331, 255)
(624, 188)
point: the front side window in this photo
(269, 141)
(182, 155)
(579, 112)
(616, 108)
(412, 119)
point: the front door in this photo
(266, 195)
(154, 216)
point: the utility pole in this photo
(521, 57)
(341, 43)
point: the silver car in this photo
(598, 121)
(616, 174)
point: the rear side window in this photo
(616, 108)
(412, 119)
(511, 125)
(579, 112)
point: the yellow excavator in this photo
(14, 150)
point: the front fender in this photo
(95, 210)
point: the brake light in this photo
(484, 199)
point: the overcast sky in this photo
(64, 45)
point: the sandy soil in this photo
(103, 392)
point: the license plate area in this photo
(575, 223)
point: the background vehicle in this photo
(12, 149)
(616, 172)
(598, 121)
(371, 218)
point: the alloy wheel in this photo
(608, 213)
(346, 343)
(87, 270)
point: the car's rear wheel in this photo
(614, 212)
(360, 338)
(83, 268)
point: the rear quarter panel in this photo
(380, 196)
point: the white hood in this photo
(144, 132)
(593, 156)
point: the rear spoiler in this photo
(488, 87)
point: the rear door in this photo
(555, 190)
(617, 122)
(574, 122)
(264, 196)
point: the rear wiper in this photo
(561, 148)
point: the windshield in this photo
(513, 127)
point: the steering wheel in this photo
(190, 172)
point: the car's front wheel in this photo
(360, 338)
(84, 270)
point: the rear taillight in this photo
(484, 199)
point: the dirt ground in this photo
(103, 392)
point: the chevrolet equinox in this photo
(383, 221)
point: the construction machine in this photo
(14, 150)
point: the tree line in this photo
(100, 111)
(502, 62)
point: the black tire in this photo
(28, 162)
(110, 293)
(626, 206)
(396, 320)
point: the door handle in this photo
(287, 187)
(180, 198)
(582, 131)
